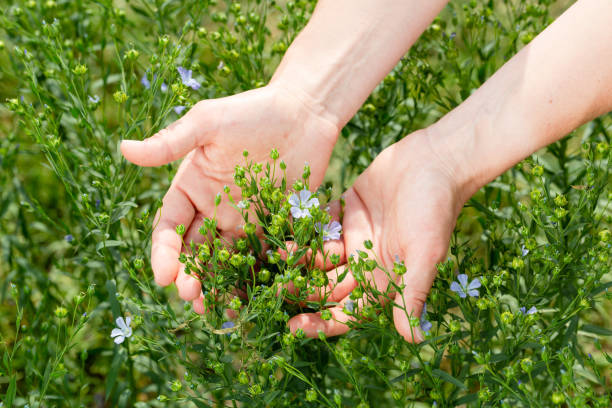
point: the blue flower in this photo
(532, 310)
(187, 79)
(179, 109)
(349, 305)
(463, 288)
(227, 325)
(524, 251)
(300, 204)
(69, 238)
(145, 81)
(425, 324)
(164, 87)
(94, 99)
(123, 329)
(329, 231)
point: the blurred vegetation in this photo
(74, 215)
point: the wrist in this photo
(307, 105)
(348, 47)
(454, 147)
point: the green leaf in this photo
(448, 378)
(11, 392)
(600, 288)
(121, 211)
(113, 372)
(591, 328)
(198, 403)
(111, 287)
(465, 399)
(108, 244)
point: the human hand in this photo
(406, 203)
(212, 137)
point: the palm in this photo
(213, 136)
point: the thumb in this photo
(171, 143)
(409, 303)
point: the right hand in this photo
(211, 137)
(406, 203)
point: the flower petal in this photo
(474, 284)
(119, 339)
(193, 84)
(121, 323)
(335, 226)
(128, 321)
(296, 212)
(455, 287)
(184, 73)
(463, 279)
(304, 196)
(294, 200)
(313, 202)
(426, 325)
(127, 332)
(532, 310)
(473, 293)
(227, 325)
(145, 81)
(116, 332)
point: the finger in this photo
(311, 323)
(339, 289)
(322, 259)
(189, 287)
(196, 177)
(176, 209)
(193, 232)
(418, 279)
(173, 142)
(198, 304)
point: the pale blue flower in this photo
(94, 99)
(532, 310)
(68, 238)
(300, 204)
(524, 251)
(186, 78)
(227, 325)
(329, 231)
(349, 305)
(123, 329)
(145, 81)
(425, 324)
(164, 87)
(179, 109)
(462, 288)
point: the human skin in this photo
(408, 200)
(347, 47)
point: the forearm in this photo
(348, 47)
(561, 80)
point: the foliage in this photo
(76, 224)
